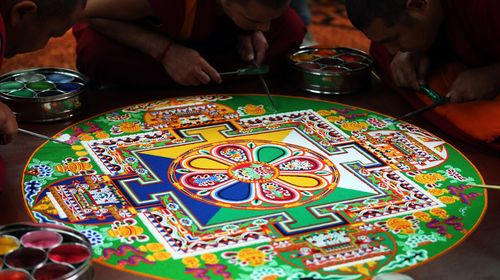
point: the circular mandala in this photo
(254, 175)
(208, 185)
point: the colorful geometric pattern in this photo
(215, 187)
(253, 175)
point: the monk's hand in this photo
(409, 69)
(476, 84)
(187, 67)
(253, 46)
(8, 124)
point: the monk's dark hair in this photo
(363, 12)
(57, 8)
(274, 4)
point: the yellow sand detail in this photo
(302, 181)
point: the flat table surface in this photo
(478, 257)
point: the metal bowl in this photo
(81, 271)
(332, 70)
(43, 94)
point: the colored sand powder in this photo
(50, 93)
(302, 57)
(69, 253)
(309, 66)
(25, 258)
(14, 275)
(8, 243)
(77, 147)
(10, 86)
(30, 78)
(60, 78)
(40, 86)
(329, 61)
(325, 52)
(42, 239)
(81, 153)
(22, 93)
(69, 87)
(51, 271)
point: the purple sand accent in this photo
(51, 271)
(25, 258)
(309, 66)
(329, 61)
(41, 239)
(69, 253)
(14, 275)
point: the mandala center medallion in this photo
(253, 172)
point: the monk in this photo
(451, 45)
(25, 26)
(186, 42)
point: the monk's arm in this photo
(476, 83)
(184, 65)
(132, 35)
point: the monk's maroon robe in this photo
(192, 23)
(469, 38)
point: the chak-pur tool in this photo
(41, 136)
(438, 100)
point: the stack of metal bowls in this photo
(43, 94)
(332, 70)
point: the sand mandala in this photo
(216, 187)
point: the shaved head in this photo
(275, 4)
(363, 12)
(57, 8)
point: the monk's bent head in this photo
(31, 23)
(254, 14)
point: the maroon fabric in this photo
(382, 60)
(105, 60)
(2, 52)
(2, 174)
(473, 28)
(470, 36)
(171, 13)
(3, 39)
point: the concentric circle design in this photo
(254, 175)
(253, 172)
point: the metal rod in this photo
(264, 84)
(438, 100)
(41, 136)
(485, 186)
(413, 113)
(229, 73)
